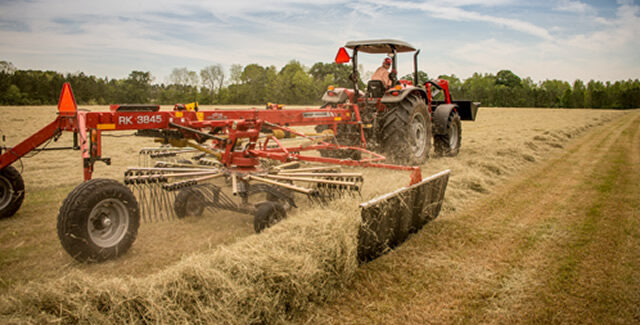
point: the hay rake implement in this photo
(216, 160)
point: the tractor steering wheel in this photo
(393, 76)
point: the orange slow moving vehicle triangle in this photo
(67, 103)
(342, 56)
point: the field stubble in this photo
(214, 268)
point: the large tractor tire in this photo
(98, 221)
(11, 191)
(406, 131)
(448, 144)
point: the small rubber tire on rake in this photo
(11, 191)
(267, 214)
(98, 221)
(189, 202)
(448, 144)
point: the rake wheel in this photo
(189, 202)
(267, 214)
(98, 221)
(11, 191)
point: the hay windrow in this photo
(277, 275)
(264, 278)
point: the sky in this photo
(554, 39)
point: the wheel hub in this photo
(418, 136)
(108, 222)
(193, 206)
(453, 136)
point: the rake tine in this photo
(170, 197)
(162, 202)
(143, 201)
(140, 197)
(151, 200)
(157, 212)
(148, 201)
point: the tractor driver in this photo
(382, 73)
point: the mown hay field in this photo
(214, 268)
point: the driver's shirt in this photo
(382, 74)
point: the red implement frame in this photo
(235, 125)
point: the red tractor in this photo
(397, 121)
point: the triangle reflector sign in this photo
(342, 56)
(67, 103)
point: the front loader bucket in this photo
(388, 220)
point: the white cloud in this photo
(574, 6)
(609, 53)
(114, 37)
(455, 13)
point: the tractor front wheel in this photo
(98, 221)
(448, 144)
(11, 191)
(406, 132)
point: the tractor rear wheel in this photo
(448, 144)
(406, 131)
(98, 221)
(11, 191)
(267, 214)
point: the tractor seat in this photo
(375, 88)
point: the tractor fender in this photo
(334, 96)
(339, 95)
(441, 117)
(388, 98)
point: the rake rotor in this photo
(162, 189)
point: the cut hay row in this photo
(277, 275)
(264, 278)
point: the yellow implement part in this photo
(186, 143)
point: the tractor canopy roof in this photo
(380, 46)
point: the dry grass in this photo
(557, 244)
(265, 278)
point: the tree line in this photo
(296, 84)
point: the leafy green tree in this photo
(212, 79)
(255, 88)
(508, 79)
(235, 73)
(339, 73)
(295, 85)
(479, 87)
(138, 86)
(13, 96)
(596, 95)
(422, 77)
(577, 94)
